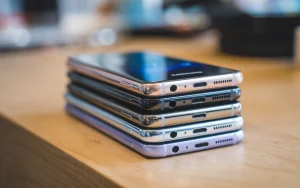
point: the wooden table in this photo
(41, 146)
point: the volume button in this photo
(126, 114)
(125, 84)
(129, 130)
(127, 142)
(127, 98)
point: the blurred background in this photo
(242, 27)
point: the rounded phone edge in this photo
(239, 122)
(151, 151)
(239, 136)
(152, 136)
(238, 77)
(236, 108)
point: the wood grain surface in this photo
(41, 146)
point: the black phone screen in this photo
(150, 67)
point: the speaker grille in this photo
(222, 126)
(221, 97)
(223, 141)
(222, 81)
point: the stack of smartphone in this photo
(156, 105)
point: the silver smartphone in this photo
(164, 134)
(155, 120)
(152, 74)
(161, 149)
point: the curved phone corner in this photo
(239, 136)
(239, 77)
(153, 151)
(236, 93)
(143, 89)
(152, 135)
(147, 89)
(152, 89)
(239, 122)
(236, 108)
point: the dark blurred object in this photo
(247, 27)
(160, 17)
(33, 23)
(297, 46)
(257, 28)
(43, 12)
(252, 27)
(29, 23)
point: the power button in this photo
(126, 114)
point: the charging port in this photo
(199, 116)
(198, 100)
(201, 145)
(200, 84)
(202, 130)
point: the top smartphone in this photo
(152, 74)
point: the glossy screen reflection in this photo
(150, 67)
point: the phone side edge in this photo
(104, 89)
(108, 105)
(145, 135)
(152, 151)
(107, 77)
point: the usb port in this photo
(198, 100)
(201, 145)
(200, 84)
(202, 130)
(199, 116)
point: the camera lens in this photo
(173, 134)
(173, 88)
(175, 149)
(172, 104)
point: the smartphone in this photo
(160, 149)
(157, 104)
(79, 96)
(164, 134)
(152, 74)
